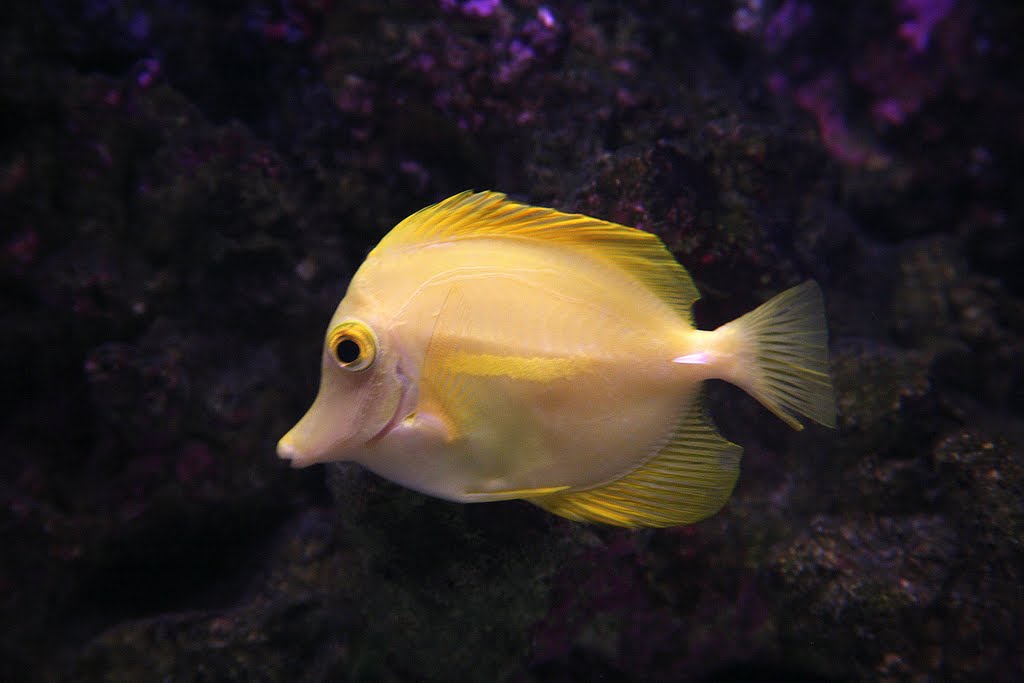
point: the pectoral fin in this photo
(471, 398)
(444, 394)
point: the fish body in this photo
(490, 350)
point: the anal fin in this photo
(689, 479)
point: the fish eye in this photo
(353, 345)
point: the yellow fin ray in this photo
(689, 479)
(469, 215)
(788, 341)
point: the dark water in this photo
(186, 187)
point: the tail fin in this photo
(787, 342)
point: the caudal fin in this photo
(786, 341)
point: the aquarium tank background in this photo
(186, 189)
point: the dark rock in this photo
(185, 190)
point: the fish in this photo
(491, 350)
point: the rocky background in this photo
(186, 187)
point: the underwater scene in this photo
(512, 340)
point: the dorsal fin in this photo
(688, 480)
(470, 215)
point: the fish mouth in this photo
(286, 450)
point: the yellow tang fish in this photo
(490, 350)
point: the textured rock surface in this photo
(185, 190)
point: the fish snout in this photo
(310, 442)
(287, 450)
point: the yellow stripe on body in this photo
(528, 368)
